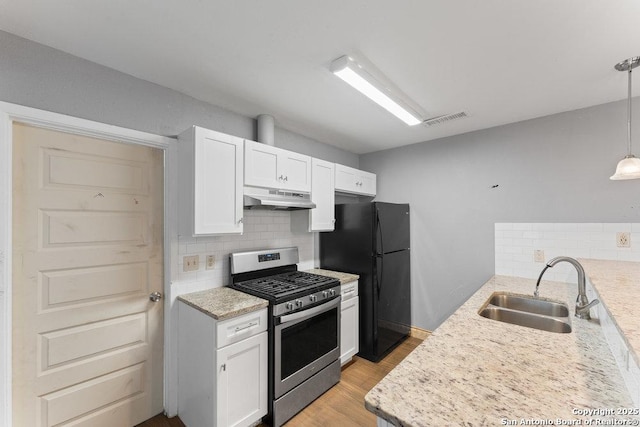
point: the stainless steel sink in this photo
(528, 311)
(529, 304)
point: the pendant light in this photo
(629, 167)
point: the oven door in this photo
(305, 342)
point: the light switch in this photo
(190, 263)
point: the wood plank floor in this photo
(342, 405)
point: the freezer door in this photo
(393, 301)
(348, 247)
(392, 227)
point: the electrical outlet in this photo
(190, 263)
(623, 240)
(538, 255)
(211, 261)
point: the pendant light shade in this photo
(629, 167)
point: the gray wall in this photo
(551, 169)
(41, 77)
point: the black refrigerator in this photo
(372, 240)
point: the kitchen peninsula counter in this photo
(617, 283)
(480, 372)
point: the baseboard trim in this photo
(419, 333)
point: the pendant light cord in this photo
(629, 111)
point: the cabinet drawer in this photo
(238, 328)
(349, 290)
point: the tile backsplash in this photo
(516, 243)
(263, 229)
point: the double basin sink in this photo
(528, 311)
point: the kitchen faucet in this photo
(582, 302)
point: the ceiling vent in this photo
(442, 119)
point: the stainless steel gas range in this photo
(304, 327)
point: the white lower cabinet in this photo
(349, 322)
(222, 368)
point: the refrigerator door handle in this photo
(379, 256)
(379, 232)
(379, 272)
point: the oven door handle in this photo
(310, 312)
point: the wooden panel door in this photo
(88, 251)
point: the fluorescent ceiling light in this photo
(354, 74)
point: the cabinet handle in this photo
(224, 367)
(240, 220)
(281, 178)
(238, 329)
(286, 178)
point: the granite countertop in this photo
(617, 283)
(475, 371)
(343, 277)
(223, 303)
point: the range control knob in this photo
(325, 294)
(313, 298)
(289, 306)
(332, 292)
(298, 303)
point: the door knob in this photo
(155, 296)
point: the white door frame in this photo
(10, 113)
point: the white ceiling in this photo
(500, 61)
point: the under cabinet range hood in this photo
(258, 198)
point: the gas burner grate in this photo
(284, 284)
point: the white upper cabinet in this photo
(322, 217)
(210, 182)
(270, 167)
(355, 181)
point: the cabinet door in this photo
(210, 182)
(322, 218)
(271, 167)
(349, 335)
(261, 165)
(346, 179)
(218, 183)
(294, 172)
(355, 181)
(241, 373)
(367, 183)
